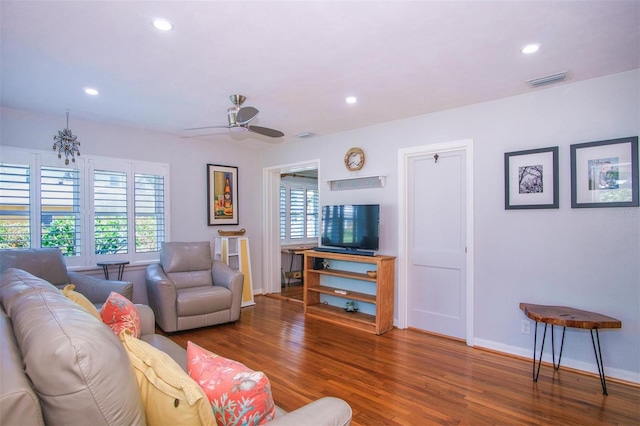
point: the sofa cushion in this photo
(238, 395)
(169, 395)
(45, 263)
(69, 356)
(19, 403)
(203, 300)
(119, 313)
(186, 256)
(191, 279)
(81, 300)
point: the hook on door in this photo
(435, 157)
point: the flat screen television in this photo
(351, 226)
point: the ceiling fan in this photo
(239, 118)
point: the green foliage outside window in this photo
(111, 235)
(60, 233)
(13, 236)
(147, 239)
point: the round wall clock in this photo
(354, 159)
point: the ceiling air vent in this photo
(304, 135)
(547, 79)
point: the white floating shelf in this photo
(360, 182)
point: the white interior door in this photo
(436, 243)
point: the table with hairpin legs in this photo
(120, 264)
(568, 317)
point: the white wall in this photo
(188, 172)
(584, 258)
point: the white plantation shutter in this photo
(110, 212)
(283, 212)
(312, 213)
(60, 218)
(297, 201)
(15, 223)
(149, 212)
(298, 213)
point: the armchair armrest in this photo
(225, 276)
(147, 319)
(327, 411)
(162, 296)
(97, 290)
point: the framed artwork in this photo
(222, 195)
(531, 179)
(605, 173)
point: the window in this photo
(15, 223)
(149, 212)
(60, 224)
(311, 213)
(110, 217)
(297, 204)
(97, 209)
(298, 211)
(283, 212)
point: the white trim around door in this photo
(271, 259)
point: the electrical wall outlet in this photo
(525, 327)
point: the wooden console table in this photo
(568, 317)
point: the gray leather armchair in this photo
(188, 289)
(48, 264)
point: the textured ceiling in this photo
(296, 61)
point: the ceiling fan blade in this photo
(246, 114)
(266, 131)
(206, 127)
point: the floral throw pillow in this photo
(238, 395)
(120, 313)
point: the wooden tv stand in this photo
(380, 293)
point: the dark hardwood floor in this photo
(293, 291)
(405, 377)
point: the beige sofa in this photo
(61, 365)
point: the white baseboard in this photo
(628, 376)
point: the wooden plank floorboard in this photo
(405, 377)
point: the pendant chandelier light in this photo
(67, 143)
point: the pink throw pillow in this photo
(238, 395)
(120, 313)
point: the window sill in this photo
(129, 267)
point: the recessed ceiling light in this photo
(162, 24)
(91, 91)
(530, 48)
(351, 99)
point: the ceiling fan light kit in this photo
(239, 118)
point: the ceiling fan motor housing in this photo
(232, 115)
